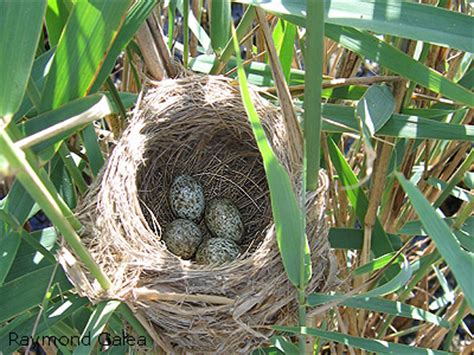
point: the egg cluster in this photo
(184, 238)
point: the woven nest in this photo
(195, 126)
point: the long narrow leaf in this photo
(286, 213)
(312, 92)
(17, 48)
(397, 18)
(377, 346)
(381, 245)
(9, 244)
(378, 304)
(18, 296)
(391, 58)
(53, 315)
(136, 16)
(57, 14)
(95, 326)
(220, 23)
(460, 261)
(82, 49)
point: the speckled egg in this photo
(182, 238)
(223, 219)
(217, 251)
(187, 198)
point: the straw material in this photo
(196, 126)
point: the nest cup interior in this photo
(213, 143)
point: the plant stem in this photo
(73, 170)
(242, 29)
(35, 187)
(185, 32)
(302, 320)
(312, 91)
(460, 315)
(171, 13)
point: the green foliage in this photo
(402, 19)
(77, 61)
(286, 212)
(220, 24)
(56, 61)
(15, 65)
(375, 108)
(459, 260)
(377, 346)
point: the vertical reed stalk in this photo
(314, 58)
(185, 32)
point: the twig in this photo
(431, 98)
(41, 309)
(244, 63)
(334, 83)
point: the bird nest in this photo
(195, 126)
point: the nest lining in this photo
(195, 126)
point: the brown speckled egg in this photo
(217, 251)
(182, 238)
(223, 219)
(187, 198)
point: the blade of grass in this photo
(448, 341)
(381, 245)
(124, 311)
(134, 19)
(455, 179)
(286, 213)
(86, 40)
(377, 263)
(378, 304)
(23, 36)
(296, 139)
(460, 261)
(392, 58)
(39, 72)
(9, 244)
(284, 345)
(195, 27)
(44, 177)
(377, 346)
(36, 251)
(242, 30)
(397, 18)
(18, 204)
(339, 118)
(171, 15)
(220, 21)
(186, 32)
(286, 47)
(97, 322)
(93, 151)
(456, 191)
(53, 315)
(352, 238)
(73, 170)
(17, 296)
(57, 14)
(62, 181)
(313, 56)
